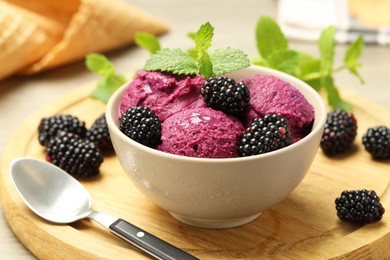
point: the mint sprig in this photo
(172, 60)
(148, 41)
(225, 60)
(269, 37)
(317, 72)
(351, 58)
(109, 82)
(198, 60)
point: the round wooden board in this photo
(304, 225)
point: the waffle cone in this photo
(25, 37)
(371, 13)
(97, 26)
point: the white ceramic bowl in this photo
(218, 193)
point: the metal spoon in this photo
(56, 196)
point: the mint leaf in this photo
(260, 61)
(191, 35)
(273, 51)
(205, 65)
(283, 60)
(226, 60)
(172, 60)
(326, 45)
(192, 51)
(314, 83)
(198, 60)
(148, 41)
(308, 70)
(107, 85)
(109, 82)
(333, 95)
(269, 37)
(99, 64)
(352, 55)
(307, 64)
(203, 38)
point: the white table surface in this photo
(234, 23)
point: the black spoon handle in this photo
(147, 242)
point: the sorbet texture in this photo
(165, 94)
(201, 132)
(191, 128)
(271, 95)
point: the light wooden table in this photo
(234, 24)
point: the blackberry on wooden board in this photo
(99, 134)
(359, 206)
(339, 133)
(376, 141)
(49, 127)
(76, 156)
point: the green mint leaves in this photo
(351, 59)
(317, 72)
(226, 60)
(148, 41)
(326, 46)
(270, 38)
(198, 60)
(172, 60)
(109, 82)
(273, 49)
(203, 38)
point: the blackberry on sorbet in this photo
(359, 206)
(339, 133)
(265, 134)
(141, 124)
(223, 93)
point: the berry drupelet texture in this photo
(265, 134)
(222, 93)
(78, 157)
(99, 134)
(50, 126)
(376, 141)
(339, 133)
(142, 125)
(359, 206)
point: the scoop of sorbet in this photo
(201, 132)
(164, 93)
(271, 95)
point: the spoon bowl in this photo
(56, 196)
(51, 194)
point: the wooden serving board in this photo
(303, 226)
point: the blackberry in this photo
(142, 125)
(265, 135)
(78, 157)
(359, 206)
(222, 93)
(339, 133)
(376, 141)
(50, 126)
(99, 134)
